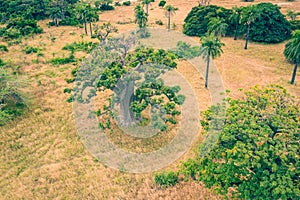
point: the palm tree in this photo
(211, 47)
(147, 3)
(292, 52)
(91, 16)
(235, 18)
(170, 11)
(141, 18)
(217, 27)
(250, 15)
(81, 11)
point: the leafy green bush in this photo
(63, 61)
(3, 48)
(186, 51)
(269, 24)
(159, 22)
(257, 154)
(30, 49)
(126, 3)
(166, 179)
(12, 102)
(196, 23)
(162, 3)
(80, 46)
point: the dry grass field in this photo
(41, 154)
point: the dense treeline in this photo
(265, 22)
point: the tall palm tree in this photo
(91, 16)
(81, 10)
(170, 11)
(235, 18)
(147, 3)
(249, 13)
(141, 18)
(217, 27)
(211, 47)
(292, 52)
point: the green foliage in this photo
(257, 154)
(196, 23)
(63, 61)
(295, 25)
(30, 50)
(104, 5)
(186, 51)
(292, 48)
(3, 48)
(12, 102)
(268, 24)
(166, 179)
(141, 17)
(80, 46)
(126, 3)
(159, 22)
(18, 27)
(162, 3)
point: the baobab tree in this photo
(169, 11)
(211, 47)
(292, 52)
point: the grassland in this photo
(43, 158)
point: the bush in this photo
(197, 20)
(257, 153)
(269, 26)
(166, 179)
(80, 46)
(159, 22)
(117, 3)
(126, 3)
(105, 7)
(162, 3)
(29, 49)
(3, 48)
(63, 61)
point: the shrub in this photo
(196, 22)
(117, 3)
(162, 3)
(29, 49)
(269, 26)
(166, 179)
(3, 48)
(126, 3)
(80, 46)
(159, 22)
(105, 7)
(257, 153)
(63, 61)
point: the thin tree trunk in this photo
(247, 37)
(126, 115)
(236, 31)
(294, 73)
(56, 22)
(147, 8)
(85, 28)
(91, 29)
(169, 21)
(207, 69)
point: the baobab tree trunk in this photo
(207, 69)
(126, 115)
(247, 36)
(294, 73)
(91, 29)
(169, 21)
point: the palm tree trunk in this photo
(169, 20)
(85, 28)
(91, 29)
(56, 21)
(236, 31)
(207, 69)
(294, 73)
(247, 36)
(147, 8)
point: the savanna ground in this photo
(43, 158)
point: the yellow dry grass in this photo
(41, 155)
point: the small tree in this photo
(141, 18)
(82, 10)
(170, 11)
(91, 16)
(211, 47)
(292, 52)
(249, 15)
(147, 3)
